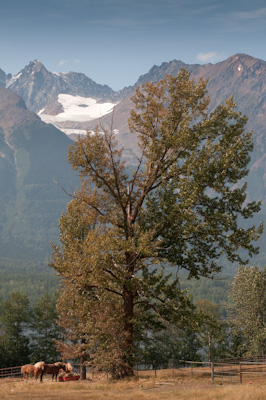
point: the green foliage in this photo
(172, 343)
(213, 333)
(28, 333)
(14, 317)
(180, 208)
(45, 328)
(247, 310)
(215, 290)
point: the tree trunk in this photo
(128, 295)
(128, 334)
(82, 361)
(82, 367)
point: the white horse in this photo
(69, 368)
(38, 369)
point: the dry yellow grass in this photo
(179, 387)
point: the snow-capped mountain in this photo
(74, 103)
(63, 99)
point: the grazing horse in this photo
(53, 369)
(69, 368)
(38, 369)
(27, 370)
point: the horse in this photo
(38, 369)
(26, 370)
(52, 369)
(69, 368)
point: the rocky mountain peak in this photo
(37, 86)
(28, 73)
(40, 88)
(36, 66)
(157, 73)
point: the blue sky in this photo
(115, 41)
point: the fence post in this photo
(155, 366)
(240, 373)
(173, 368)
(212, 371)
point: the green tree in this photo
(15, 317)
(171, 344)
(247, 310)
(77, 327)
(45, 330)
(213, 331)
(179, 206)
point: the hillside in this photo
(33, 158)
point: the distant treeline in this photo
(28, 332)
(32, 278)
(36, 278)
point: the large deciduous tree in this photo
(178, 207)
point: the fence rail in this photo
(234, 371)
(12, 372)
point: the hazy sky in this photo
(115, 41)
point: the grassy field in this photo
(178, 387)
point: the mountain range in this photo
(41, 113)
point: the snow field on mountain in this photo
(77, 108)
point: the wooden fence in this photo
(12, 372)
(237, 372)
(174, 367)
(232, 371)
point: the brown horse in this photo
(53, 369)
(27, 370)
